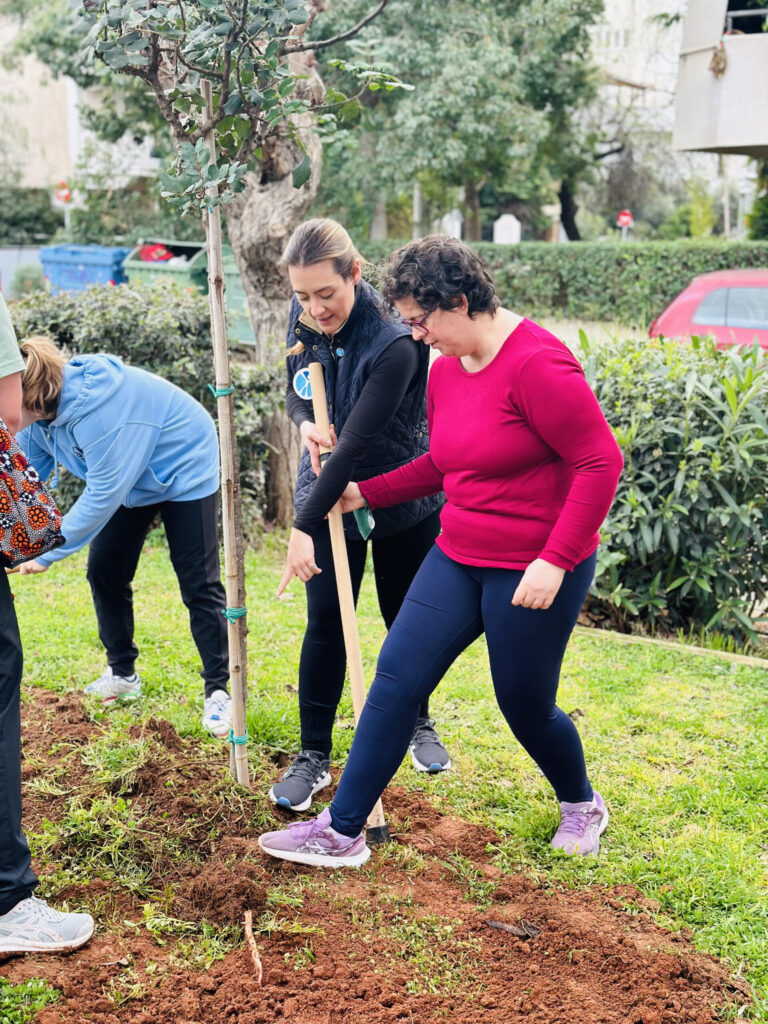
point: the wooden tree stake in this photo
(232, 514)
(377, 831)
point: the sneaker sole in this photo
(121, 698)
(286, 805)
(39, 947)
(217, 735)
(319, 860)
(433, 769)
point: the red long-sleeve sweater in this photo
(523, 452)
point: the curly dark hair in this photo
(435, 272)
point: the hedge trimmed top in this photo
(627, 283)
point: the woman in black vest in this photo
(375, 382)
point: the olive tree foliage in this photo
(497, 85)
(267, 95)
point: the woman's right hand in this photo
(313, 439)
(352, 498)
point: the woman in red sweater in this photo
(529, 468)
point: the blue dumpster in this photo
(71, 268)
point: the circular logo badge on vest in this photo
(339, 352)
(301, 384)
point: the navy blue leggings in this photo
(448, 606)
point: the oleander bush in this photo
(628, 283)
(165, 329)
(684, 545)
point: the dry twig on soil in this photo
(252, 945)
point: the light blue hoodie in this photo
(134, 438)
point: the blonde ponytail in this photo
(43, 376)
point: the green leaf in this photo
(234, 104)
(302, 171)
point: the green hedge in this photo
(165, 329)
(627, 283)
(684, 544)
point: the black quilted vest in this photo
(347, 361)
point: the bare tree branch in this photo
(349, 34)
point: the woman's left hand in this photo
(27, 568)
(300, 561)
(539, 586)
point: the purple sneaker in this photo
(581, 826)
(315, 842)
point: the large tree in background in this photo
(496, 87)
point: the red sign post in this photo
(625, 221)
(63, 194)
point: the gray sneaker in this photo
(34, 927)
(427, 752)
(308, 773)
(113, 689)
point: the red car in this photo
(731, 305)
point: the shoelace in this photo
(306, 768)
(215, 706)
(313, 828)
(425, 733)
(575, 821)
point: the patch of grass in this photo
(439, 961)
(479, 889)
(102, 839)
(198, 952)
(125, 987)
(19, 1004)
(115, 760)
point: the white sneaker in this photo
(217, 714)
(113, 689)
(34, 927)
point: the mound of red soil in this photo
(414, 936)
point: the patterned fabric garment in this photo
(30, 522)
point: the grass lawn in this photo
(677, 744)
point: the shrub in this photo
(628, 283)
(166, 330)
(684, 542)
(27, 216)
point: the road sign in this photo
(63, 194)
(625, 219)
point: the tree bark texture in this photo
(285, 451)
(568, 209)
(261, 219)
(472, 226)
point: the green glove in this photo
(365, 521)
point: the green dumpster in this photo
(188, 265)
(239, 330)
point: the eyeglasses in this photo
(419, 324)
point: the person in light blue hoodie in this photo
(143, 446)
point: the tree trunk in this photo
(285, 451)
(259, 223)
(568, 210)
(472, 227)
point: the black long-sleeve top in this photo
(395, 372)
